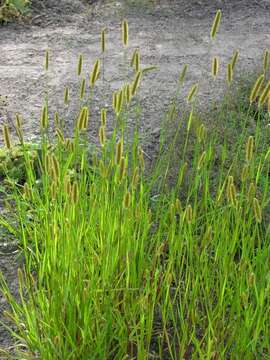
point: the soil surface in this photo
(169, 33)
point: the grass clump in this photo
(10, 9)
(123, 262)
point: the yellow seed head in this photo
(229, 74)
(127, 200)
(264, 95)
(201, 133)
(249, 149)
(189, 214)
(137, 61)
(122, 169)
(82, 89)
(251, 279)
(55, 168)
(215, 25)
(128, 93)
(229, 183)
(132, 62)
(27, 192)
(120, 98)
(245, 173)
(256, 88)
(46, 65)
(232, 194)
(102, 135)
(60, 135)
(53, 190)
(19, 133)
(80, 63)
(86, 118)
(119, 151)
(215, 66)
(103, 117)
(251, 192)
(82, 120)
(265, 60)
(103, 40)
(18, 121)
(183, 73)
(56, 119)
(178, 206)
(66, 95)
(44, 118)
(136, 83)
(75, 192)
(257, 210)
(235, 59)
(192, 93)
(125, 32)
(201, 160)
(95, 73)
(6, 136)
(135, 178)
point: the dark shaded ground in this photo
(169, 34)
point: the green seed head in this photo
(257, 210)
(215, 25)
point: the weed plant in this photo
(122, 261)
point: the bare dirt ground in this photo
(169, 34)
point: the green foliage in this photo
(10, 9)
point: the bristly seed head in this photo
(265, 60)
(119, 151)
(215, 25)
(46, 65)
(95, 73)
(215, 66)
(127, 200)
(80, 63)
(256, 88)
(257, 210)
(249, 149)
(6, 136)
(264, 95)
(125, 33)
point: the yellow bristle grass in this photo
(6, 134)
(127, 200)
(60, 135)
(136, 83)
(82, 89)
(249, 149)
(103, 40)
(265, 93)
(75, 192)
(47, 164)
(95, 73)
(215, 66)
(44, 118)
(135, 177)
(256, 88)
(102, 135)
(229, 183)
(119, 151)
(232, 194)
(251, 192)
(183, 74)
(114, 102)
(201, 160)
(128, 93)
(80, 64)
(235, 59)
(125, 32)
(82, 122)
(19, 133)
(46, 64)
(133, 57)
(257, 210)
(215, 25)
(18, 121)
(120, 98)
(192, 93)
(56, 119)
(229, 74)
(66, 95)
(189, 214)
(122, 169)
(137, 61)
(265, 60)
(86, 118)
(245, 173)
(55, 168)
(103, 117)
